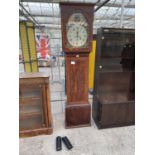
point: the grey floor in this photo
(86, 141)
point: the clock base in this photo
(77, 115)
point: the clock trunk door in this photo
(77, 79)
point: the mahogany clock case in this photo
(78, 109)
(34, 104)
(67, 9)
(114, 82)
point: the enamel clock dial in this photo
(77, 31)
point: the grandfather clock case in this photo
(77, 34)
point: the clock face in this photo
(77, 30)
(77, 35)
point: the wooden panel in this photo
(77, 79)
(114, 114)
(117, 114)
(77, 115)
(116, 87)
(48, 104)
(36, 132)
(34, 81)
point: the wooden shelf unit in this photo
(34, 104)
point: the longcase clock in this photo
(77, 34)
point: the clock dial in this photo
(77, 35)
(77, 27)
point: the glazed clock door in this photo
(77, 31)
(31, 108)
(77, 27)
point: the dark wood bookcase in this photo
(114, 84)
(34, 104)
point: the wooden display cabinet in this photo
(34, 104)
(114, 84)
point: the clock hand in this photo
(76, 37)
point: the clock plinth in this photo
(77, 115)
(77, 35)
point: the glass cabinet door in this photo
(116, 70)
(31, 107)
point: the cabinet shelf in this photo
(29, 109)
(32, 98)
(29, 100)
(28, 93)
(29, 115)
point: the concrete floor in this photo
(85, 141)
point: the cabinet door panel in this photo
(117, 114)
(116, 87)
(31, 106)
(115, 53)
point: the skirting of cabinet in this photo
(35, 132)
(100, 126)
(77, 115)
